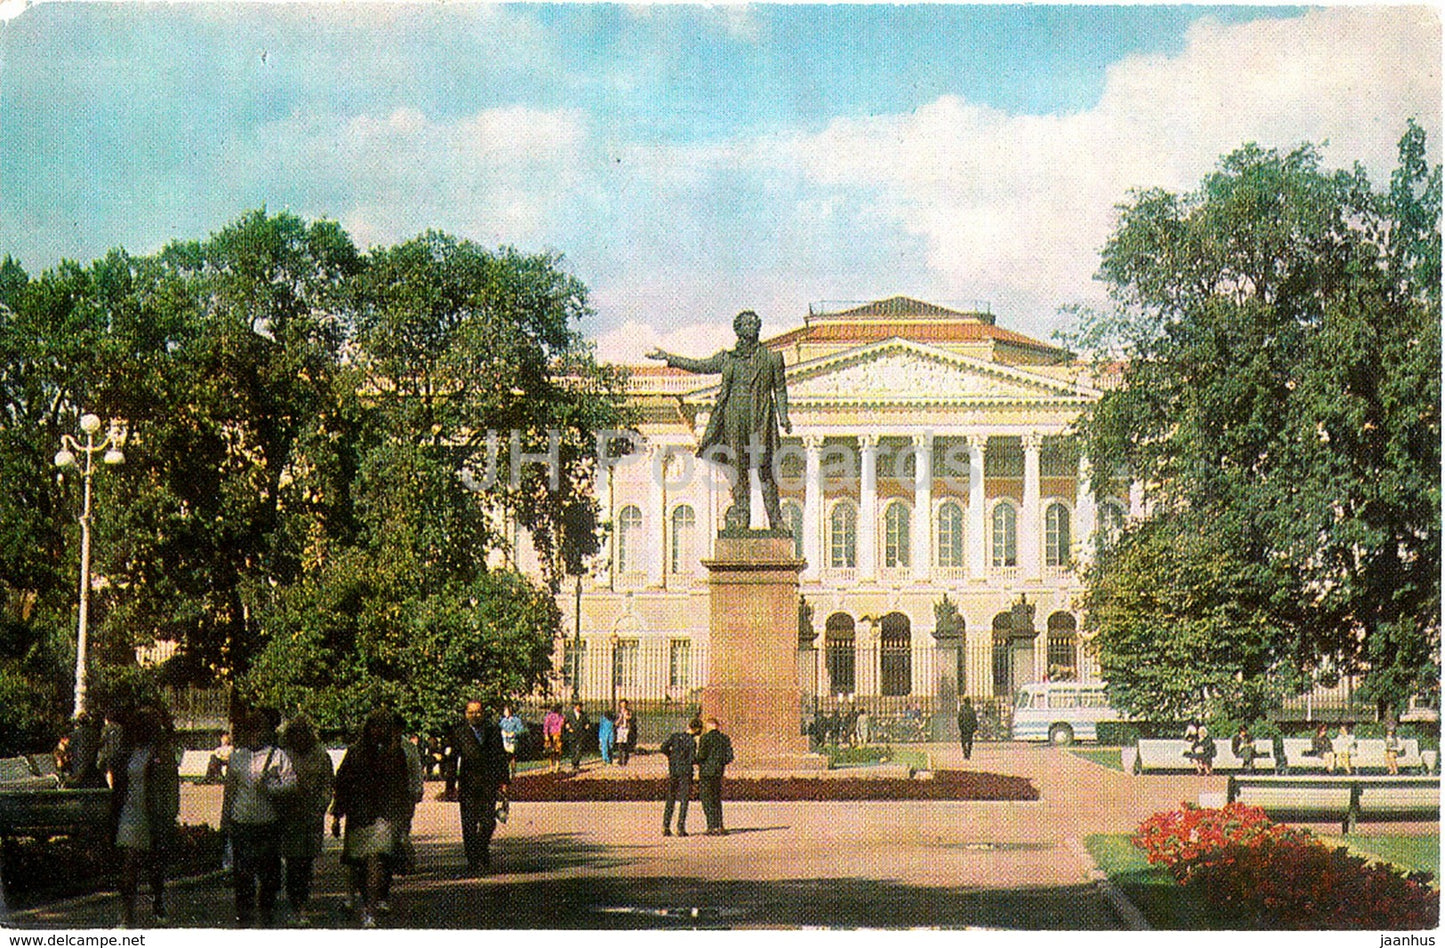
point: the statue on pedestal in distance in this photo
(742, 433)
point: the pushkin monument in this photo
(753, 578)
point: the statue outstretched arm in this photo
(709, 366)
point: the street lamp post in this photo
(577, 641)
(110, 452)
(615, 640)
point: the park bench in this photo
(1351, 800)
(1155, 755)
(17, 773)
(51, 812)
(1369, 755)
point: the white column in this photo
(656, 514)
(813, 507)
(922, 507)
(1029, 526)
(977, 548)
(1086, 510)
(867, 508)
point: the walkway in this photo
(589, 865)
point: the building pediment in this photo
(901, 372)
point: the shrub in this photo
(1258, 874)
(1119, 733)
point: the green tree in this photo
(1280, 398)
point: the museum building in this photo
(931, 487)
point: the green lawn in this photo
(1416, 853)
(1103, 756)
(841, 758)
(1164, 902)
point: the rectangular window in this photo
(574, 663)
(624, 664)
(679, 664)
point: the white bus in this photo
(1061, 712)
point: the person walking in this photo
(625, 736)
(303, 817)
(606, 733)
(512, 730)
(259, 776)
(1344, 747)
(481, 773)
(575, 729)
(714, 753)
(373, 795)
(967, 727)
(145, 802)
(681, 751)
(552, 726)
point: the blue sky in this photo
(688, 161)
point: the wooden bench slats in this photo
(1349, 799)
(1165, 754)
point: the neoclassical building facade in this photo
(930, 458)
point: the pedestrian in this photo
(576, 729)
(625, 736)
(144, 804)
(512, 730)
(87, 770)
(405, 859)
(373, 794)
(481, 769)
(1344, 748)
(552, 726)
(259, 777)
(850, 724)
(681, 751)
(606, 733)
(865, 727)
(967, 727)
(220, 757)
(714, 752)
(1242, 746)
(1392, 750)
(303, 816)
(1321, 747)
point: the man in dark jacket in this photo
(480, 766)
(681, 750)
(714, 752)
(967, 727)
(575, 730)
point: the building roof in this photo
(905, 318)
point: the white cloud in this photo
(630, 342)
(1022, 204)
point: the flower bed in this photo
(945, 785)
(1254, 873)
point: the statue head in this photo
(747, 325)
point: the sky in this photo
(688, 162)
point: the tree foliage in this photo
(1280, 399)
(303, 423)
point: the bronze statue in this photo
(743, 430)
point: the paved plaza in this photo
(876, 864)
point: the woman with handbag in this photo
(145, 802)
(259, 778)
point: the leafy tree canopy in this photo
(304, 423)
(1280, 335)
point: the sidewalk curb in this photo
(1127, 911)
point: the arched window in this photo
(895, 534)
(1063, 647)
(839, 654)
(793, 517)
(843, 536)
(950, 534)
(1056, 535)
(1111, 522)
(895, 656)
(1005, 535)
(684, 525)
(629, 540)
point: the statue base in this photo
(753, 619)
